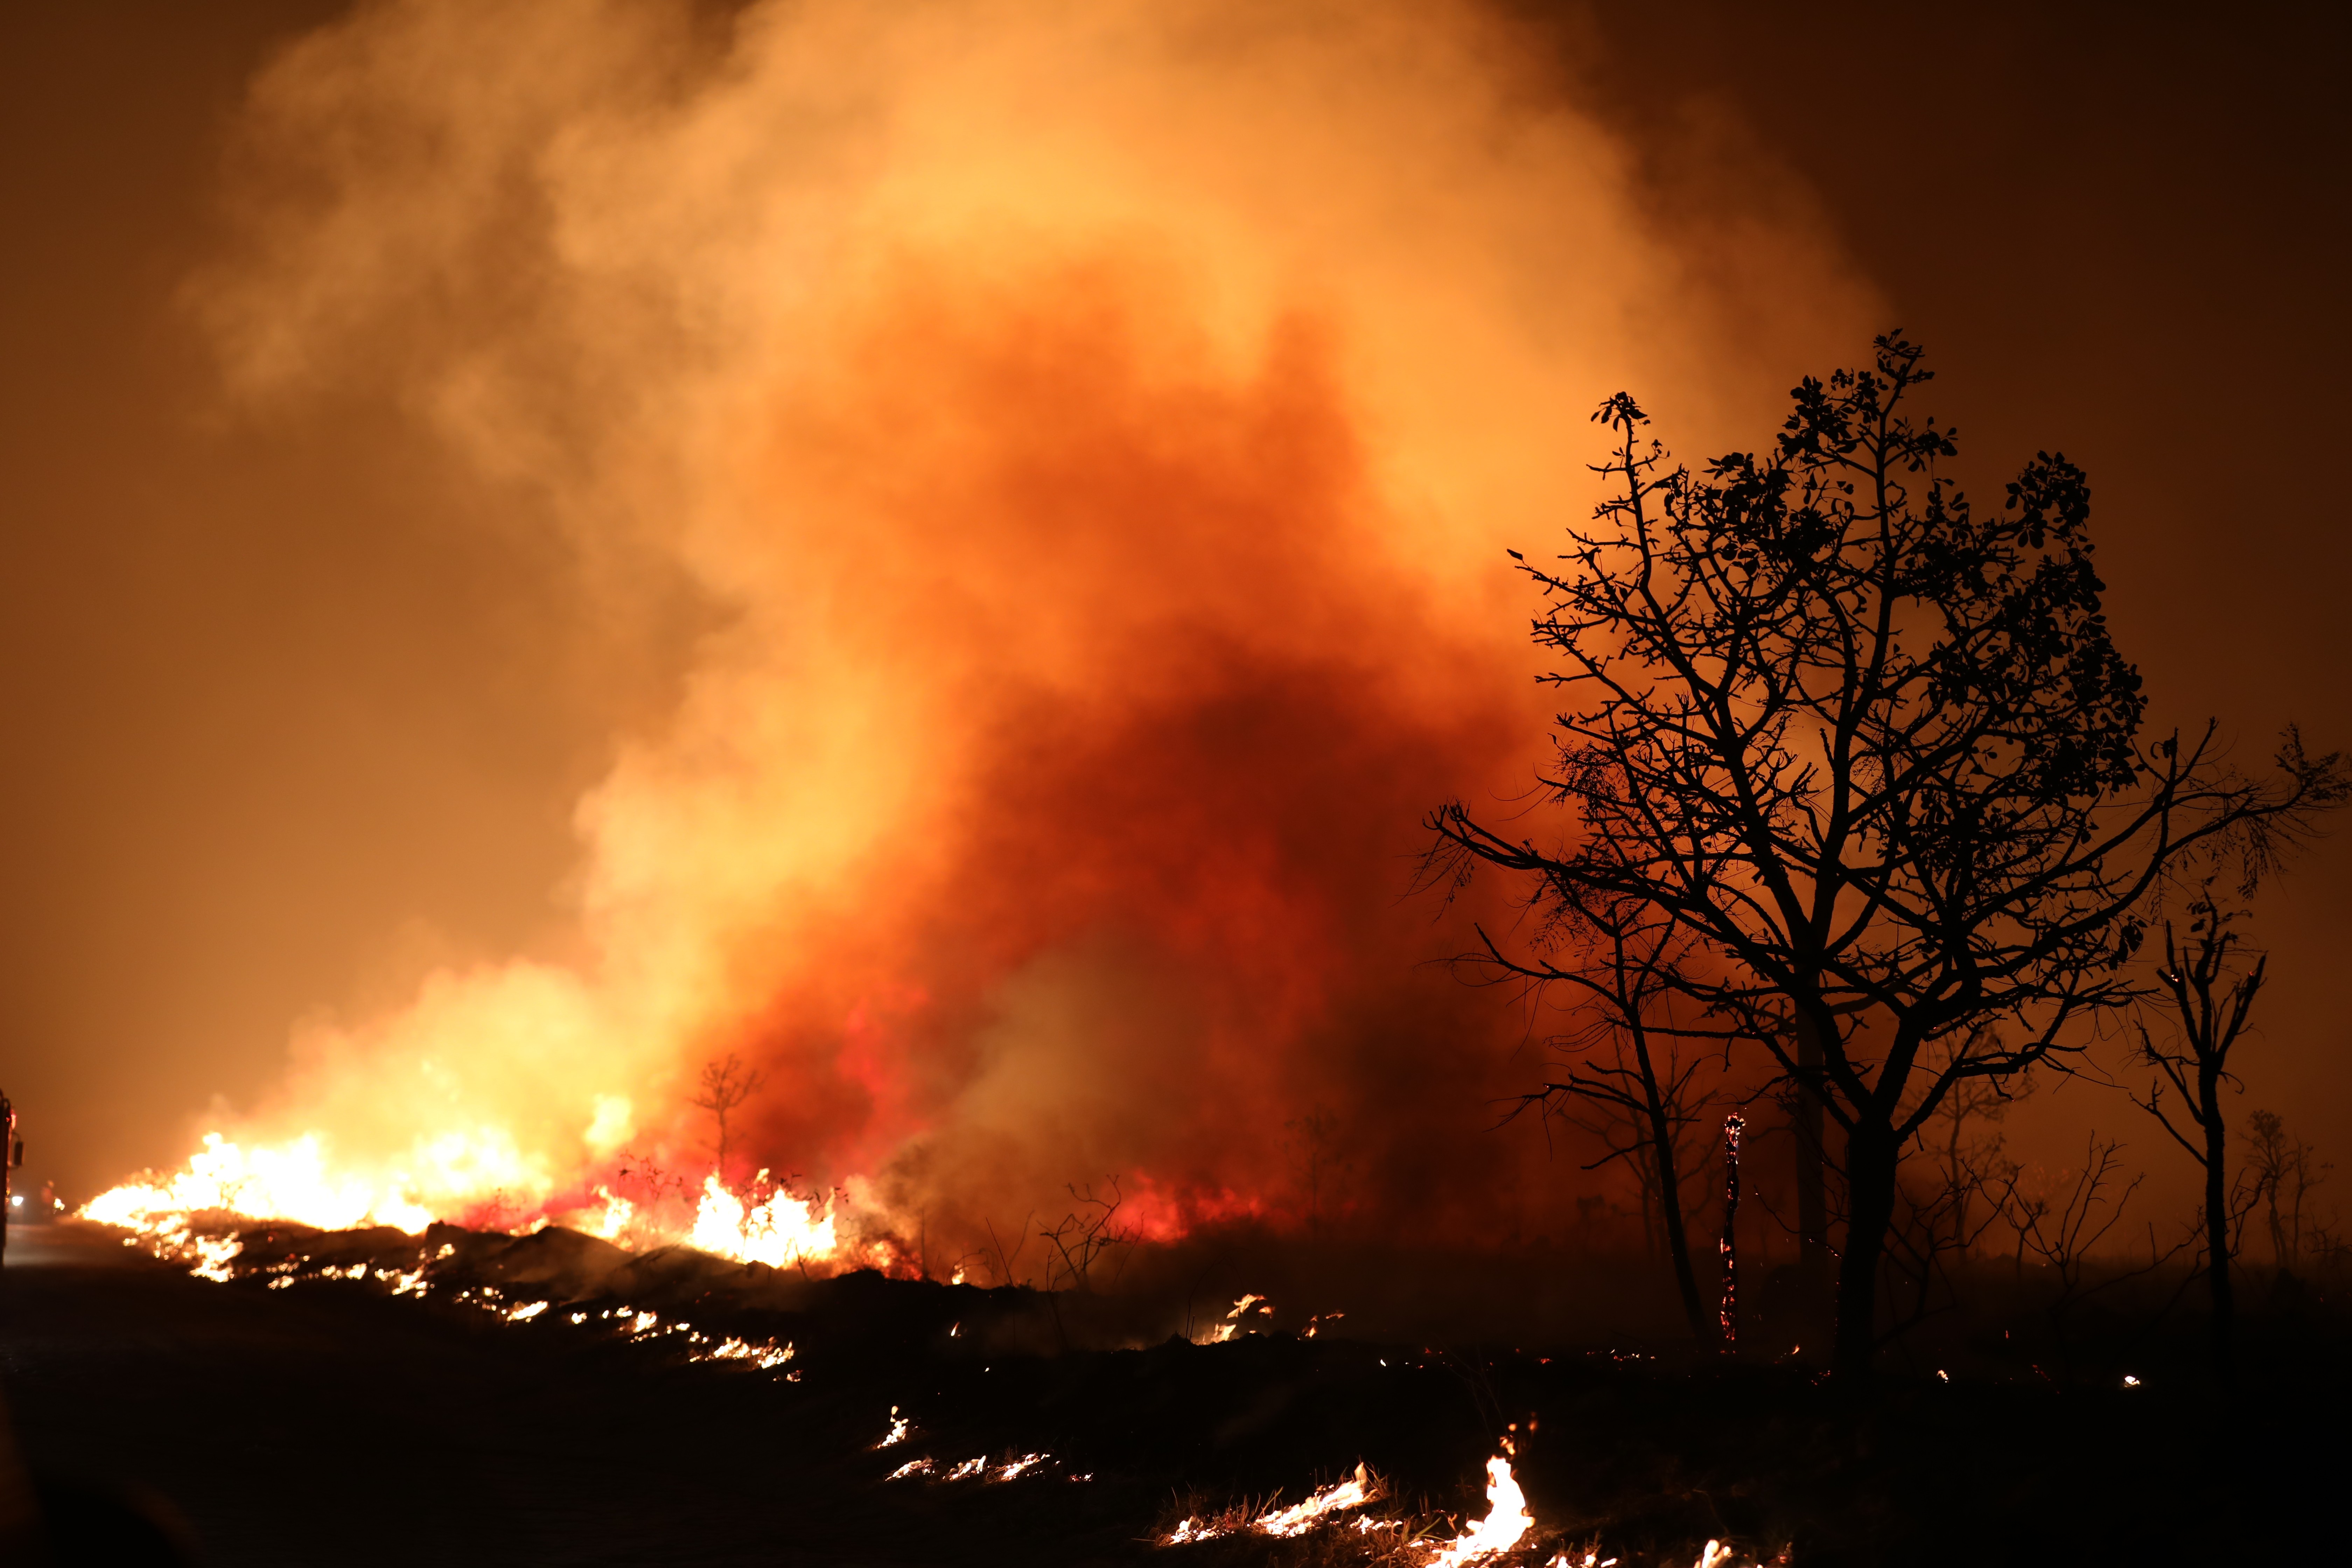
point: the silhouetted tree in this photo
(1877, 756)
(1948, 1194)
(2210, 1001)
(1085, 1234)
(1312, 1147)
(1619, 957)
(2061, 1222)
(2281, 1172)
(1964, 1165)
(727, 1083)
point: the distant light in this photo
(2130, 1381)
(17, 1201)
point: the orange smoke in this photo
(1174, 712)
(1092, 431)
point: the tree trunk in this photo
(1670, 1196)
(1670, 1208)
(1816, 1264)
(2217, 1216)
(1813, 1257)
(1870, 1166)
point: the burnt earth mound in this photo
(551, 1399)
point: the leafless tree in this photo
(653, 1180)
(2281, 1172)
(1945, 1204)
(1619, 959)
(1002, 1260)
(1967, 1165)
(1875, 755)
(1945, 1193)
(1621, 1122)
(1085, 1236)
(727, 1083)
(2062, 1224)
(1313, 1148)
(2209, 1000)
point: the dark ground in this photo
(329, 1422)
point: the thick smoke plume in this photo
(1092, 431)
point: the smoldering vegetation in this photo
(1091, 1422)
(2080, 1322)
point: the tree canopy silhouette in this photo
(1876, 756)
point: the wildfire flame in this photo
(1299, 1518)
(1507, 1522)
(290, 1181)
(781, 1231)
(899, 339)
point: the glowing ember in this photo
(764, 1356)
(213, 1258)
(1249, 1306)
(1010, 1470)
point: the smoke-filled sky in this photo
(945, 548)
